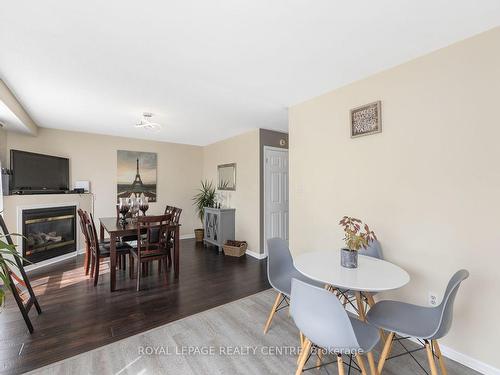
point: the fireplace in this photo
(48, 232)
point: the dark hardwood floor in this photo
(78, 317)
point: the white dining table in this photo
(371, 276)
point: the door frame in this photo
(266, 150)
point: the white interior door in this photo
(275, 194)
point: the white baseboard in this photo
(465, 360)
(256, 255)
(470, 362)
(48, 262)
(186, 236)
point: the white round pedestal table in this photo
(372, 275)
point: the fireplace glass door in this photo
(48, 232)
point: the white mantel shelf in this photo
(14, 205)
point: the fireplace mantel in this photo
(15, 204)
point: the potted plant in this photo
(204, 198)
(355, 239)
(6, 250)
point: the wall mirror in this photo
(226, 176)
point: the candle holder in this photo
(123, 207)
(144, 205)
(134, 207)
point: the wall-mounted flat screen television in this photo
(38, 173)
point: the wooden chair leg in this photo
(96, 271)
(169, 258)
(92, 265)
(430, 358)
(371, 363)
(86, 262)
(361, 364)
(385, 352)
(159, 265)
(369, 299)
(340, 364)
(319, 358)
(302, 343)
(273, 311)
(166, 273)
(139, 268)
(361, 307)
(131, 266)
(124, 262)
(303, 356)
(440, 357)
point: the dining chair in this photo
(280, 272)
(88, 256)
(169, 210)
(328, 327)
(88, 261)
(175, 214)
(151, 245)
(427, 324)
(101, 250)
(176, 217)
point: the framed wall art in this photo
(366, 119)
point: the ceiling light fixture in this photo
(146, 122)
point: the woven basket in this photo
(235, 248)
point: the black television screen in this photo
(38, 172)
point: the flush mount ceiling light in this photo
(146, 122)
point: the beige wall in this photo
(93, 157)
(428, 184)
(244, 151)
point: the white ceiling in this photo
(209, 69)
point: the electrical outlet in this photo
(432, 299)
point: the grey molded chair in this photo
(373, 250)
(423, 323)
(280, 272)
(322, 319)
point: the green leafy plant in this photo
(354, 237)
(7, 250)
(204, 198)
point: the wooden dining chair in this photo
(176, 216)
(88, 256)
(151, 245)
(169, 210)
(101, 250)
(175, 213)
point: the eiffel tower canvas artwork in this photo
(136, 174)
